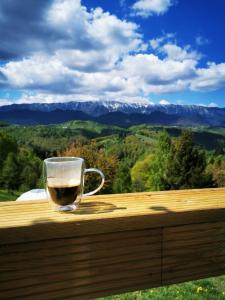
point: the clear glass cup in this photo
(64, 179)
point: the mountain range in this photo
(112, 112)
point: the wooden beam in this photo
(111, 244)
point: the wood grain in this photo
(23, 222)
(81, 268)
(111, 244)
(193, 251)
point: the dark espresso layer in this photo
(64, 195)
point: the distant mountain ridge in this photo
(113, 112)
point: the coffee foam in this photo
(62, 182)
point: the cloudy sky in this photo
(159, 51)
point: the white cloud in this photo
(164, 102)
(50, 98)
(61, 14)
(154, 71)
(212, 104)
(40, 72)
(5, 102)
(96, 55)
(109, 32)
(146, 8)
(210, 78)
(167, 45)
(156, 43)
(177, 53)
(95, 41)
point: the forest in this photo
(134, 159)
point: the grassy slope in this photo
(206, 137)
(205, 289)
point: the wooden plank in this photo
(65, 280)
(185, 233)
(80, 248)
(178, 254)
(64, 258)
(113, 243)
(59, 292)
(192, 228)
(197, 263)
(194, 276)
(87, 239)
(49, 229)
(188, 274)
(23, 222)
(81, 277)
(17, 278)
(78, 268)
(193, 251)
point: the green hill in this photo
(50, 139)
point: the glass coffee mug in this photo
(64, 178)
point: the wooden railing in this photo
(112, 244)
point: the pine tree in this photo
(187, 164)
(10, 172)
(7, 145)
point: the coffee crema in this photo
(64, 195)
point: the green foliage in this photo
(158, 179)
(6, 195)
(216, 168)
(176, 164)
(140, 174)
(144, 153)
(7, 145)
(129, 150)
(46, 141)
(20, 169)
(187, 164)
(150, 174)
(30, 170)
(3, 124)
(98, 158)
(10, 171)
(122, 181)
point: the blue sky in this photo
(147, 51)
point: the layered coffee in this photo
(64, 194)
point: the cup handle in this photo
(100, 186)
